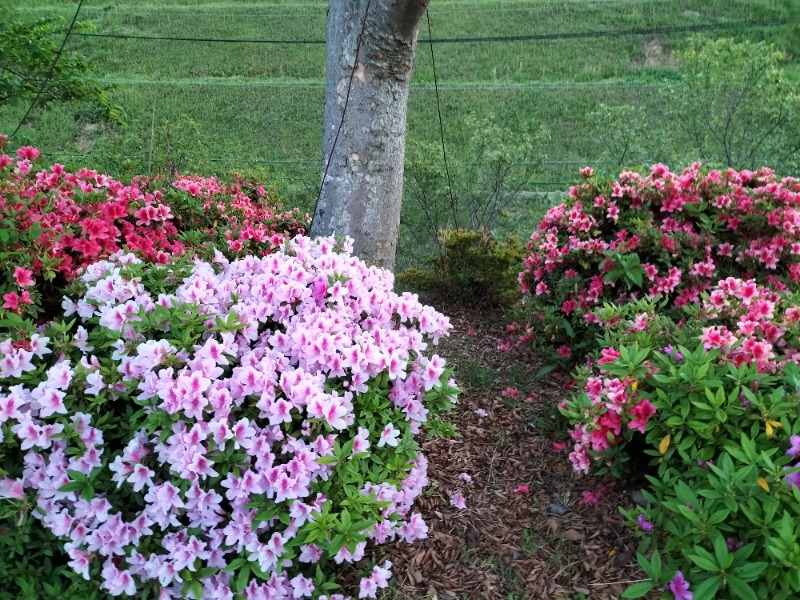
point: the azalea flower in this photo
(389, 437)
(679, 587)
(644, 523)
(641, 413)
(23, 277)
(457, 500)
(794, 450)
(589, 497)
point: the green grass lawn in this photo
(218, 107)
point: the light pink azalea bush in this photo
(225, 429)
(659, 234)
(714, 399)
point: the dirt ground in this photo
(525, 532)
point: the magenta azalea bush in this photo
(224, 429)
(657, 235)
(714, 398)
(54, 222)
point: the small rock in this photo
(622, 559)
(472, 536)
(638, 498)
(573, 535)
(558, 510)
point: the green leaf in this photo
(72, 486)
(740, 589)
(235, 564)
(197, 590)
(704, 560)
(638, 590)
(750, 571)
(707, 590)
(721, 553)
(544, 371)
(243, 578)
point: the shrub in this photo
(656, 235)
(53, 222)
(716, 401)
(209, 429)
(473, 268)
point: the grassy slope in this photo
(219, 107)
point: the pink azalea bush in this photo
(714, 399)
(53, 222)
(224, 429)
(656, 235)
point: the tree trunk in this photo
(371, 61)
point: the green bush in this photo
(715, 402)
(660, 234)
(33, 565)
(474, 268)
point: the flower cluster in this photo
(745, 323)
(236, 432)
(241, 216)
(661, 234)
(714, 398)
(54, 222)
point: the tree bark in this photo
(371, 60)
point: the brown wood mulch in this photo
(508, 544)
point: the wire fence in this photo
(235, 100)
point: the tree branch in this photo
(407, 15)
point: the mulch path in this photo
(508, 544)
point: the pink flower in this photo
(378, 579)
(641, 413)
(559, 446)
(510, 392)
(521, 489)
(28, 153)
(590, 497)
(568, 306)
(644, 523)
(389, 436)
(679, 587)
(458, 501)
(794, 450)
(23, 277)
(608, 355)
(11, 489)
(11, 301)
